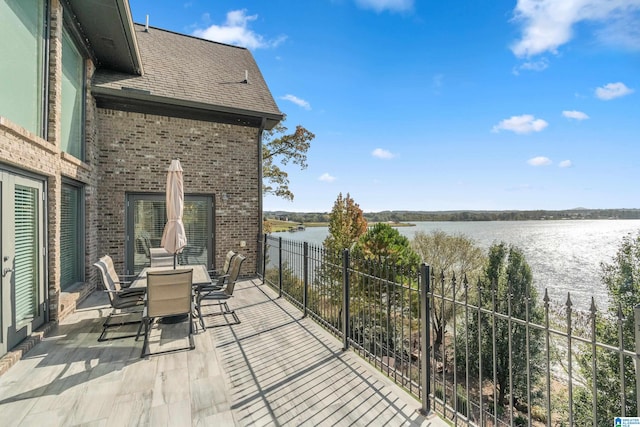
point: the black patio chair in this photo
(219, 294)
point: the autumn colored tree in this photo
(346, 224)
(278, 149)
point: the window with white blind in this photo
(22, 68)
(71, 236)
(27, 253)
(146, 218)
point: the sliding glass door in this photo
(146, 217)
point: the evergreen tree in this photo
(385, 245)
(622, 279)
(387, 265)
(506, 288)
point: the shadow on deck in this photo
(274, 368)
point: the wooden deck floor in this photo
(274, 368)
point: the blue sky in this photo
(440, 105)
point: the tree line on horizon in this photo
(415, 216)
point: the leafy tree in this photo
(278, 147)
(448, 255)
(622, 279)
(346, 224)
(507, 279)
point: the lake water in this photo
(564, 256)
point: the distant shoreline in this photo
(401, 218)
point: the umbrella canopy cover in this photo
(174, 238)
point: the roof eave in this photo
(111, 35)
(140, 98)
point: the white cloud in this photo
(612, 90)
(565, 164)
(235, 31)
(382, 5)
(382, 154)
(624, 32)
(576, 115)
(539, 65)
(521, 124)
(298, 101)
(326, 177)
(548, 24)
(539, 161)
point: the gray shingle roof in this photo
(192, 71)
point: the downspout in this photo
(263, 123)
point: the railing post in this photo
(279, 267)
(636, 320)
(345, 299)
(305, 268)
(425, 337)
(264, 257)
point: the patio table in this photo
(200, 274)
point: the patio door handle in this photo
(6, 270)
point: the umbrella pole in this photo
(175, 256)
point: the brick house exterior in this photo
(150, 96)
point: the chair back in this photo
(169, 292)
(227, 262)
(107, 282)
(112, 276)
(234, 273)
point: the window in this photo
(22, 68)
(71, 236)
(72, 115)
(146, 218)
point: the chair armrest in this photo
(220, 278)
(133, 291)
(139, 292)
(207, 288)
(126, 280)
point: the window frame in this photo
(132, 197)
(42, 103)
(70, 33)
(80, 233)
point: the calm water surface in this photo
(564, 256)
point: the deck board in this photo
(274, 368)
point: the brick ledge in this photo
(16, 354)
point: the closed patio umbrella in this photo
(174, 238)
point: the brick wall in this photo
(23, 150)
(218, 159)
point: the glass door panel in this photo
(22, 254)
(146, 219)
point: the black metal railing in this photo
(389, 315)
